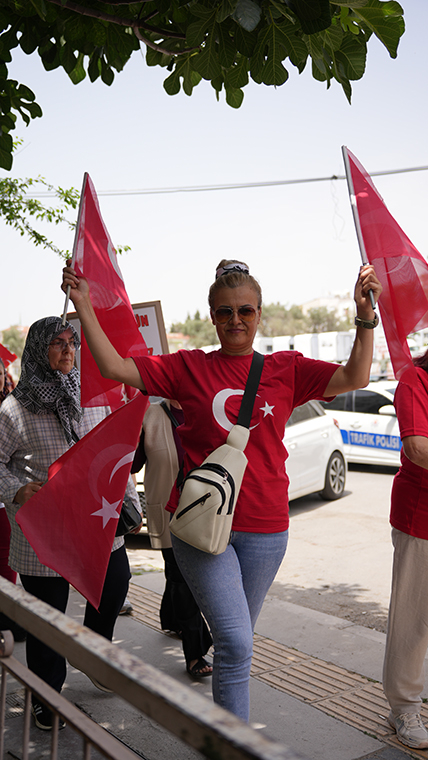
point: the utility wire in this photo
(236, 186)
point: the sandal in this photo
(197, 670)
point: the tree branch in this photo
(134, 24)
(161, 49)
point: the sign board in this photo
(150, 322)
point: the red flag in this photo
(7, 356)
(71, 522)
(401, 269)
(95, 259)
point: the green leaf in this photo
(271, 49)
(28, 41)
(206, 62)
(217, 83)
(234, 97)
(237, 76)
(350, 60)
(295, 45)
(67, 57)
(321, 70)
(107, 74)
(33, 109)
(185, 71)
(6, 146)
(50, 57)
(153, 57)
(40, 7)
(172, 84)
(331, 38)
(274, 72)
(78, 74)
(247, 14)
(8, 122)
(196, 31)
(226, 47)
(347, 89)
(24, 92)
(314, 15)
(385, 20)
(226, 9)
(245, 41)
(94, 66)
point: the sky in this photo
(299, 240)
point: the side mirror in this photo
(388, 410)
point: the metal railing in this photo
(215, 733)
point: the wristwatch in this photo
(368, 323)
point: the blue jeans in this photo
(229, 589)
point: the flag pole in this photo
(73, 255)
(353, 201)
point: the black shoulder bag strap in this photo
(168, 412)
(249, 397)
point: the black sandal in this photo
(196, 671)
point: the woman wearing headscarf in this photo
(39, 421)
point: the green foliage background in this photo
(226, 42)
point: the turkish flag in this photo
(71, 522)
(95, 258)
(7, 356)
(401, 269)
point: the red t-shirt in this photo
(409, 498)
(209, 387)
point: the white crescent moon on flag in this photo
(127, 459)
(115, 454)
(118, 302)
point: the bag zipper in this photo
(201, 500)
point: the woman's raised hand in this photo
(79, 288)
(367, 280)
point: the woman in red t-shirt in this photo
(230, 588)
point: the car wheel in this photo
(335, 477)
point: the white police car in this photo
(368, 424)
(316, 461)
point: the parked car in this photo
(316, 461)
(368, 423)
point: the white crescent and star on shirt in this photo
(219, 410)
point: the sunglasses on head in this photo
(225, 313)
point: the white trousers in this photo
(407, 636)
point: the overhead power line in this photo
(236, 186)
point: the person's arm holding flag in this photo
(356, 372)
(110, 363)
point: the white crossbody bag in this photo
(204, 514)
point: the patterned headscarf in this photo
(43, 390)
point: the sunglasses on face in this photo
(225, 313)
(61, 345)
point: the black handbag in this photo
(129, 517)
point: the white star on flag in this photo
(108, 511)
(266, 409)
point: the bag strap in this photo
(249, 397)
(168, 412)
